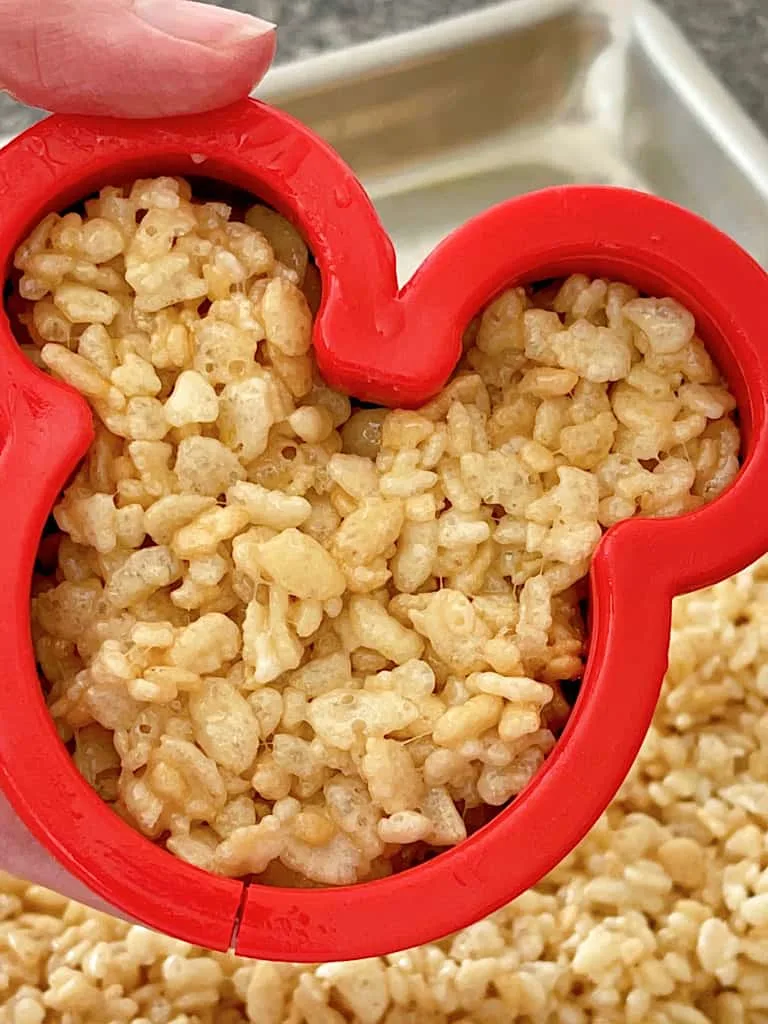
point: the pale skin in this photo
(127, 58)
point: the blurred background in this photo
(732, 35)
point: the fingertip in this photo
(262, 52)
(209, 79)
(194, 22)
(117, 62)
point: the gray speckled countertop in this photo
(732, 35)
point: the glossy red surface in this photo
(397, 348)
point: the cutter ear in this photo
(664, 250)
(268, 153)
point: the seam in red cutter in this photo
(396, 348)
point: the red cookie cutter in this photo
(394, 347)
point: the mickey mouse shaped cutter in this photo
(398, 348)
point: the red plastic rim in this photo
(400, 348)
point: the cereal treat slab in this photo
(293, 639)
(659, 917)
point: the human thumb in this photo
(130, 58)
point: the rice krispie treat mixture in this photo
(296, 639)
(659, 917)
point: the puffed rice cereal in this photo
(660, 916)
(295, 638)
